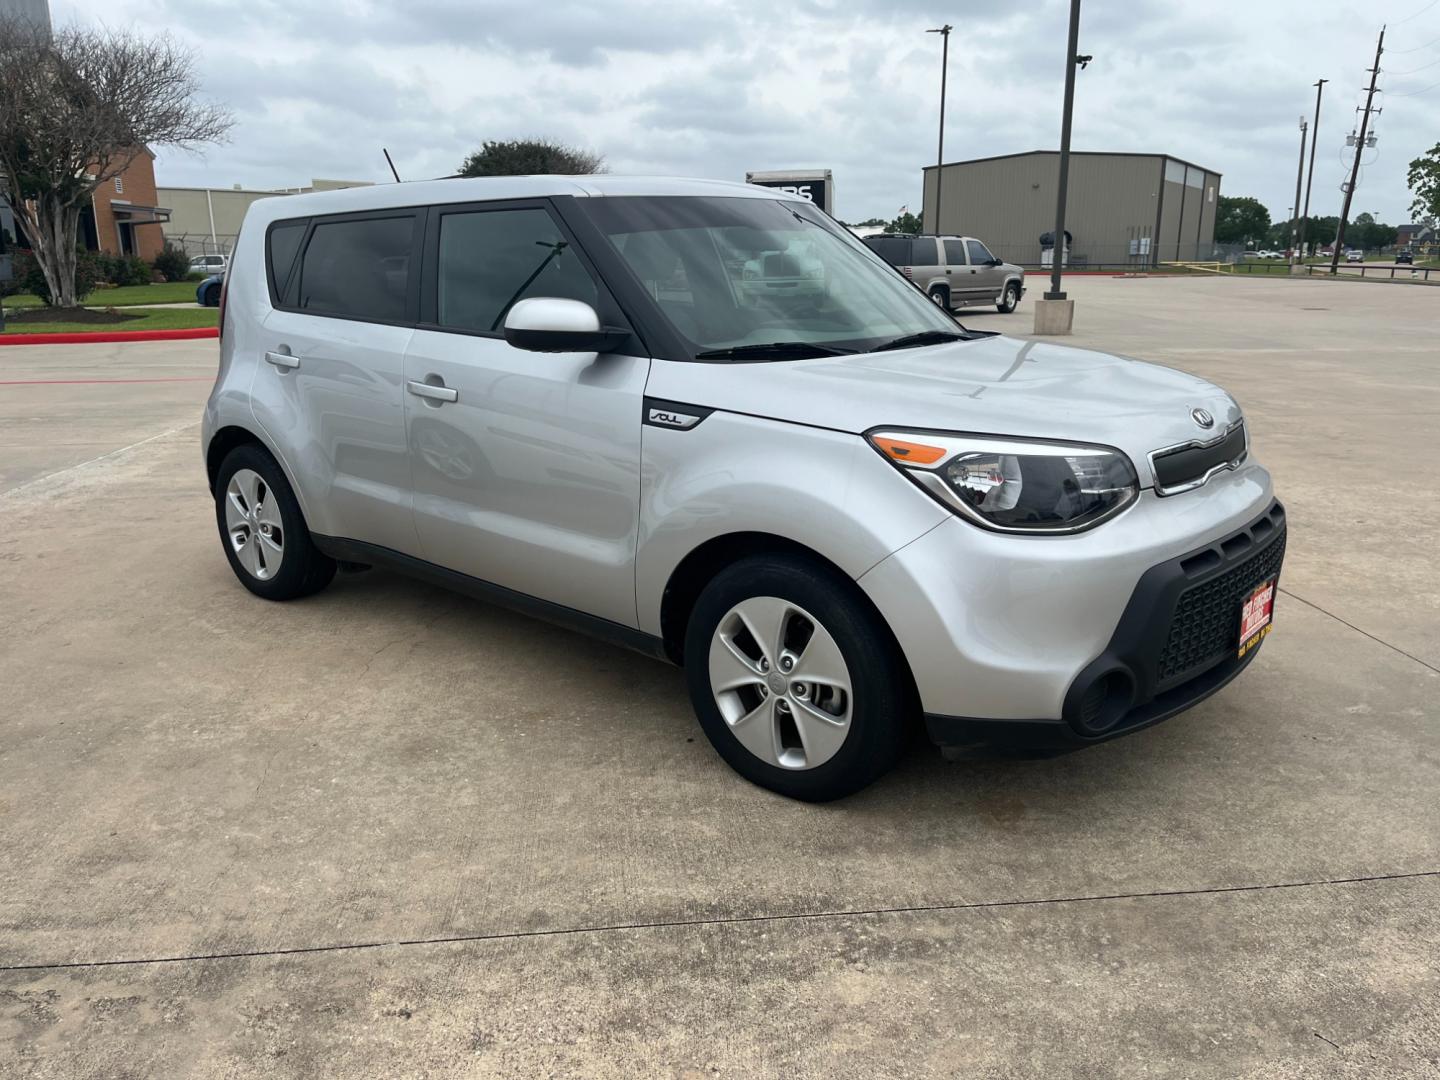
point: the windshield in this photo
(735, 272)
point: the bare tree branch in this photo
(76, 108)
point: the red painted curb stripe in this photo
(102, 336)
(92, 382)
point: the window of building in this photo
(358, 269)
(119, 186)
(491, 259)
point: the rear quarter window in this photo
(280, 249)
(895, 250)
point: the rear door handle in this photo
(948, 270)
(282, 360)
(434, 393)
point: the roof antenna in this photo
(391, 164)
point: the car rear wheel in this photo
(263, 531)
(941, 295)
(212, 296)
(795, 679)
(1009, 299)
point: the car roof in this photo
(483, 188)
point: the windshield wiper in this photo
(925, 337)
(778, 349)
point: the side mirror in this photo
(995, 262)
(550, 324)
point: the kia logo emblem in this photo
(1203, 418)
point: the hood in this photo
(993, 386)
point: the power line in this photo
(1417, 48)
(1417, 14)
(1412, 93)
(1412, 71)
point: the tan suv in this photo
(954, 271)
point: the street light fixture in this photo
(944, 32)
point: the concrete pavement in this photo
(388, 831)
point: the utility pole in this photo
(1359, 149)
(1295, 211)
(944, 32)
(1310, 178)
(1072, 60)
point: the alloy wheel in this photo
(781, 683)
(253, 524)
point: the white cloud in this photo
(711, 88)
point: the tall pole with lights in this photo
(1295, 211)
(1055, 314)
(1310, 178)
(944, 32)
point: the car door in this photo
(962, 274)
(989, 273)
(330, 391)
(526, 464)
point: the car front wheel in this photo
(1009, 299)
(795, 679)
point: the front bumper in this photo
(1175, 645)
(1005, 628)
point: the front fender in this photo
(827, 490)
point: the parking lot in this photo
(388, 831)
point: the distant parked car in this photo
(1354, 256)
(954, 271)
(207, 293)
(209, 264)
(1251, 255)
(1407, 257)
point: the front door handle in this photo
(431, 391)
(282, 360)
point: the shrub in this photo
(173, 263)
(31, 278)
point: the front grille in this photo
(1180, 468)
(1205, 626)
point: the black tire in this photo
(1009, 299)
(878, 677)
(303, 568)
(212, 296)
(941, 295)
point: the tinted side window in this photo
(358, 269)
(490, 259)
(979, 255)
(893, 249)
(279, 256)
(955, 252)
(923, 253)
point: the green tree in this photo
(529, 157)
(76, 108)
(905, 223)
(1424, 181)
(1239, 219)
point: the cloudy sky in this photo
(706, 88)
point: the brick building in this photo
(123, 218)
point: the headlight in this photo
(1015, 485)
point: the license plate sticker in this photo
(1255, 615)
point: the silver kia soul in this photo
(704, 421)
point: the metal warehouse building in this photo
(1128, 209)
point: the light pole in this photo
(944, 32)
(1055, 314)
(1310, 178)
(1360, 145)
(1295, 211)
